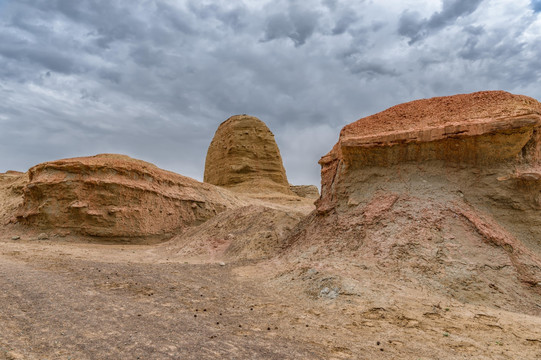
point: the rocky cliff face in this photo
(484, 130)
(115, 196)
(11, 194)
(444, 193)
(243, 156)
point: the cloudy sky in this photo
(154, 78)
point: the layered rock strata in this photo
(443, 193)
(243, 156)
(11, 194)
(115, 196)
(484, 130)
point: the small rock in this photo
(43, 236)
(329, 293)
(16, 237)
(221, 263)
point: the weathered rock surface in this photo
(443, 193)
(471, 130)
(11, 194)
(249, 232)
(243, 156)
(117, 197)
(305, 191)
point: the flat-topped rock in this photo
(438, 193)
(478, 129)
(482, 127)
(115, 196)
(243, 156)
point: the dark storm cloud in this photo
(412, 25)
(154, 78)
(297, 23)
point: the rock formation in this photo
(444, 193)
(243, 156)
(473, 131)
(305, 191)
(117, 197)
(11, 191)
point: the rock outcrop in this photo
(118, 198)
(243, 156)
(11, 194)
(305, 191)
(483, 129)
(443, 193)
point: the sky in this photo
(153, 79)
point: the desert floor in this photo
(61, 299)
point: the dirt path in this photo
(65, 309)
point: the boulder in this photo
(243, 156)
(117, 197)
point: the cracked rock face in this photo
(243, 156)
(117, 197)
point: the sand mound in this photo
(117, 197)
(245, 233)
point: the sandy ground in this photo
(66, 300)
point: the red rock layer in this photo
(481, 128)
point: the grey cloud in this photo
(48, 59)
(154, 79)
(147, 57)
(452, 10)
(411, 25)
(331, 4)
(368, 68)
(297, 24)
(235, 18)
(344, 22)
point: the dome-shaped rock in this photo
(243, 156)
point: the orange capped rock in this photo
(117, 197)
(442, 193)
(482, 128)
(243, 156)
